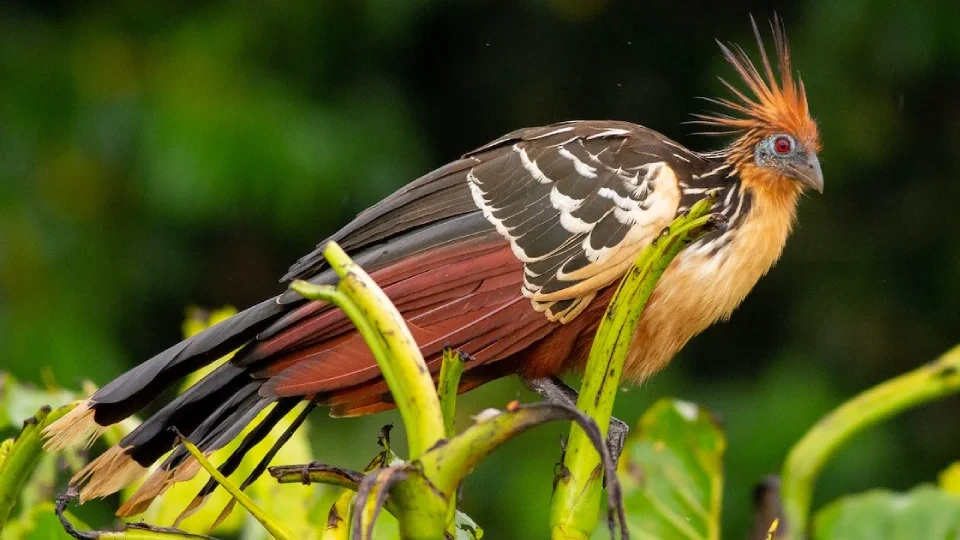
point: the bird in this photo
(510, 254)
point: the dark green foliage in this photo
(152, 157)
(925, 512)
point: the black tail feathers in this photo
(135, 389)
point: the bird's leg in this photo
(554, 390)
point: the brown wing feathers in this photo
(490, 254)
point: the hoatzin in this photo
(510, 254)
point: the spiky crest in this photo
(777, 106)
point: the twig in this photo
(71, 494)
(60, 507)
(767, 509)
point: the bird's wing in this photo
(577, 202)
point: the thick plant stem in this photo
(397, 353)
(450, 370)
(576, 500)
(421, 512)
(448, 384)
(270, 523)
(22, 458)
(807, 458)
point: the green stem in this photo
(339, 517)
(446, 466)
(23, 457)
(392, 344)
(449, 382)
(448, 385)
(576, 501)
(269, 522)
(807, 458)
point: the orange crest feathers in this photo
(777, 106)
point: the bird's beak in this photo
(807, 172)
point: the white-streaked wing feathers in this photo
(577, 203)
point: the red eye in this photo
(783, 145)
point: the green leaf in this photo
(19, 402)
(466, 528)
(925, 512)
(672, 473)
(949, 479)
(39, 523)
(22, 458)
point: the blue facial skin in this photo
(782, 153)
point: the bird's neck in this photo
(761, 233)
(711, 277)
(774, 192)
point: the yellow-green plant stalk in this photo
(424, 513)
(22, 457)
(451, 369)
(448, 385)
(576, 500)
(393, 346)
(807, 458)
(271, 523)
(447, 465)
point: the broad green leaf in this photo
(39, 523)
(672, 473)
(925, 512)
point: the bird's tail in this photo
(210, 413)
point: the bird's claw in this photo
(554, 390)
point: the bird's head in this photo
(777, 139)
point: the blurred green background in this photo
(156, 155)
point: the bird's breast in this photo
(706, 283)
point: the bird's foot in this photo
(554, 390)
